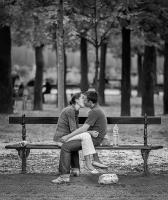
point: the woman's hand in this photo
(59, 144)
(94, 133)
(64, 138)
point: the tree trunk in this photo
(155, 66)
(95, 82)
(126, 67)
(38, 78)
(165, 86)
(148, 81)
(60, 57)
(6, 103)
(54, 36)
(101, 86)
(84, 65)
(65, 65)
(139, 65)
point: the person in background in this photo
(21, 90)
(47, 90)
(15, 85)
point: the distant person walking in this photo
(47, 90)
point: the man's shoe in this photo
(62, 179)
(98, 164)
(75, 172)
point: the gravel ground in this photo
(42, 164)
(39, 187)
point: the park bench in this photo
(24, 150)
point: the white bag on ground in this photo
(108, 179)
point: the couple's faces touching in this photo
(82, 101)
(86, 102)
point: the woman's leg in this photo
(66, 156)
(66, 160)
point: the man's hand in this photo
(93, 133)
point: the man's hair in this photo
(92, 96)
(74, 97)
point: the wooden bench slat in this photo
(33, 146)
(53, 146)
(110, 120)
(33, 120)
(129, 147)
(133, 120)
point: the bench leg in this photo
(23, 154)
(145, 155)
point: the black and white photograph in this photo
(83, 99)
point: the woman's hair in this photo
(74, 97)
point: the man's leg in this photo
(87, 149)
(86, 143)
(96, 160)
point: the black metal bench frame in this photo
(23, 151)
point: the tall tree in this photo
(124, 16)
(39, 62)
(84, 65)
(96, 19)
(126, 67)
(163, 30)
(102, 82)
(30, 28)
(139, 66)
(6, 102)
(6, 105)
(149, 22)
(65, 73)
(38, 78)
(165, 88)
(60, 57)
(137, 48)
(148, 81)
(96, 43)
